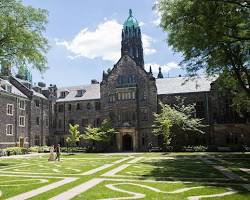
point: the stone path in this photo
(69, 194)
(245, 170)
(116, 170)
(43, 189)
(226, 172)
(93, 171)
(229, 173)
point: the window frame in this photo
(37, 103)
(21, 108)
(12, 131)
(22, 125)
(12, 110)
(38, 120)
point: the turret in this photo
(160, 75)
(131, 40)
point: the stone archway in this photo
(127, 142)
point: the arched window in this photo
(78, 106)
(88, 106)
(120, 80)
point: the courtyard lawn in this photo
(126, 176)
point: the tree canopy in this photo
(172, 120)
(212, 35)
(21, 35)
(101, 134)
(74, 135)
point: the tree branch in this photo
(242, 3)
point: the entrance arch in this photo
(127, 143)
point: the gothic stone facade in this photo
(127, 94)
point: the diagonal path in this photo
(43, 189)
(69, 194)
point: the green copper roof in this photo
(131, 21)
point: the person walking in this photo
(52, 155)
(58, 152)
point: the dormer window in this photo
(63, 94)
(80, 93)
(8, 88)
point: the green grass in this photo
(157, 170)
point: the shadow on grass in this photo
(191, 170)
(4, 164)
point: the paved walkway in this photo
(43, 189)
(69, 194)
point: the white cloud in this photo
(104, 42)
(141, 24)
(164, 68)
(157, 19)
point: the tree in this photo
(102, 134)
(178, 118)
(21, 35)
(212, 35)
(74, 135)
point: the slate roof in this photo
(174, 85)
(37, 94)
(92, 91)
(14, 90)
(179, 85)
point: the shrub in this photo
(39, 149)
(14, 151)
(200, 148)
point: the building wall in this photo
(132, 116)
(83, 113)
(18, 131)
(39, 121)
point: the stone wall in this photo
(19, 132)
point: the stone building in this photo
(26, 110)
(127, 94)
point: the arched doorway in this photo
(127, 143)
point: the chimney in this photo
(94, 81)
(41, 84)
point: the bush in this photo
(73, 149)
(39, 149)
(200, 148)
(13, 151)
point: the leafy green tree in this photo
(176, 119)
(212, 35)
(21, 35)
(74, 135)
(101, 134)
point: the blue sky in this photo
(85, 36)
